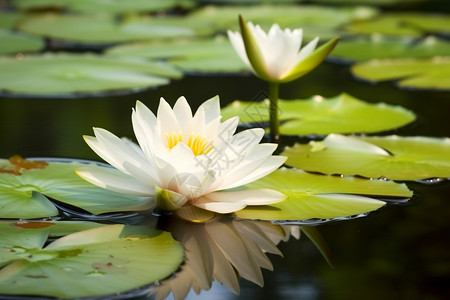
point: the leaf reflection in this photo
(220, 248)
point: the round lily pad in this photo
(105, 6)
(383, 47)
(312, 196)
(194, 56)
(318, 115)
(393, 157)
(101, 261)
(9, 19)
(13, 42)
(106, 29)
(56, 74)
(369, 2)
(24, 191)
(315, 20)
(409, 24)
(427, 73)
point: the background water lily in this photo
(185, 159)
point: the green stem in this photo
(274, 88)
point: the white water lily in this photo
(277, 56)
(184, 159)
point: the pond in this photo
(399, 251)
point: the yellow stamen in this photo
(196, 143)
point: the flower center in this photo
(198, 144)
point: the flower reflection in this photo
(221, 248)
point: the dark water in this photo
(399, 252)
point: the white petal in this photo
(183, 112)
(305, 51)
(144, 126)
(248, 197)
(167, 122)
(267, 167)
(123, 157)
(211, 109)
(220, 207)
(238, 45)
(114, 181)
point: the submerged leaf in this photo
(53, 74)
(312, 196)
(318, 115)
(409, 158)
(101, 261)
(431, 73)
(22, 196)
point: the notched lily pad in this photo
(378, 47)
(24, 195)
(106, 29)
(83, 74)
(406, 24)
(97, 262)
(312, 196)
(190, 55)
(430, 73)
(318, 115)
(393, 157)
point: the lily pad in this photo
(427, 73)
(315, 20)
(105, 6)
(53, 74)
(393, 157)
(13, 42)
(106, 29)
(206, 55)
(25, 195)
(312, 196)
(318, 115)
(383, 47)
(102, 261)
(369, 2)
(9, 19)
(409, 24)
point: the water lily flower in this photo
(184, 159)
(277, 56)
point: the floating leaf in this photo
(212, 55)
(383, 47)
(315, 20)
(97, 262)
(106, 29)
(431, 73)
(105, 6)
(318, 115)
(53, 74)
(412, 24)
(368, 2)
(312, 196)
(22, 196)
(13, 42)
(9, 20)
(408, 158)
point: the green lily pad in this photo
(206, 55)
(315, 20)
(13, 42)
(318, 115)
(382, 47)
(409, 24)
(53, 74)
(312, 196)
(406, 158)
(102, 261)
(105, 6)
(369, 2)
(106, 29)
(9, 19)
(22, 195)
(430, 73)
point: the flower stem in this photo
(274, 88)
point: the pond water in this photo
(398, 252)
